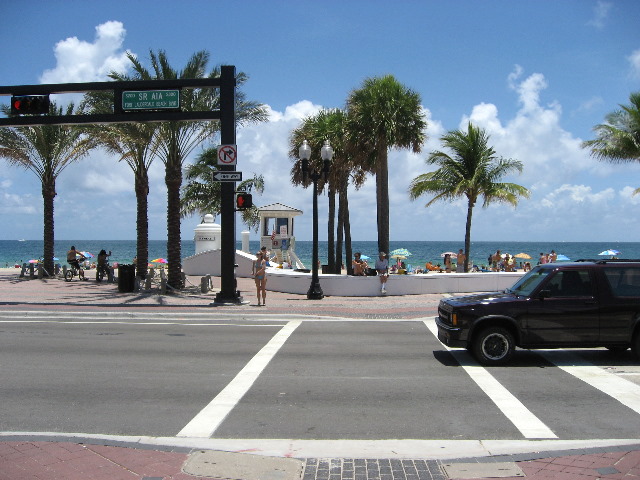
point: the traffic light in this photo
(244, 201)
(29, 104)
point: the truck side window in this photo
(624, 281)
(570, 283)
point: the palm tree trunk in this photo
(382, 197)
(142, 224)
(346, 224)
(331, 261)
(48, 194)
(467, 236)
(173, 180)
(338, 268)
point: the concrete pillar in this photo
(245, 241)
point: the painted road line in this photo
(522, 418)
(205, 423)
(624, 391)
(136, 323)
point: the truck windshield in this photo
(527, 284)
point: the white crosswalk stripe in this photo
(529, 425)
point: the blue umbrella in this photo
(364, 257)
(562, 258)
(610, 252)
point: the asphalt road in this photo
(288, 378)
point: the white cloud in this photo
(600, 14)
(634, 60)
(18, 204)
(590, 104)
(82, 61)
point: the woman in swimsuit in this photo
(260, 276)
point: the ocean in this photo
(123, 251)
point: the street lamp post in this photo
(315, 291)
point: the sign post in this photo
(227, 153)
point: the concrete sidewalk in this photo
(91, 460)
(25, 457)
(89, 295)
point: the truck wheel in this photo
(493, 346)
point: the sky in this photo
(536, 75)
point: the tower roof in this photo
(279, 208)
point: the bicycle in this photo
(102, 272)
(74, 271)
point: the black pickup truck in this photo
(588, 303)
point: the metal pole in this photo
(315, 291)
(228, 292)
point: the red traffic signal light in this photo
(244, 201)
(29, 104)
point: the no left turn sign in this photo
(227, 154)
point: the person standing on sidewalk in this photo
(260, 276)
(382, 268)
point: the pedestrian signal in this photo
(244, 201)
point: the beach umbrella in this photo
(159, 260)
(453, 254)
(610, 252)
(33, 260)
(523, 255)
(364, 257)
(562, 258)
(400, 251)
(87, 254)
(398, 257)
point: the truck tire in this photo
(493, 346)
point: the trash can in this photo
(126, 278)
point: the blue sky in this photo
(537, 75)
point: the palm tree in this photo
(46, 150)
(618, 140)
(176, 140)
(383, 114)
(132, 143)
(471, 170)
(202, 195)
(329, 124)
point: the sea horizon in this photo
(123, 251)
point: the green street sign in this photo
(151, 100)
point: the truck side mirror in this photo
(544, 294)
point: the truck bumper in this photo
(450, 336)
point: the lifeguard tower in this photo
(276, 233)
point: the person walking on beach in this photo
(260, 277)
(382, 268)
(495, 261)
(460, 259)
(447, 263)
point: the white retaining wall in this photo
(288, 281)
